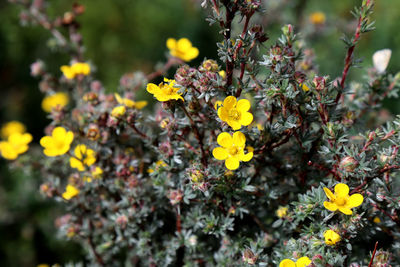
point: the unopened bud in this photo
(249, 257)
(348, 163)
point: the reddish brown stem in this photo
(373, 255)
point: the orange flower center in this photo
(233, 150)
(340, 201)
(234, 114)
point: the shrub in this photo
(255, 159)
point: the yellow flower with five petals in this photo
(12, 127)
(341, 200)
(58, 143)
(182, 49)
(15, 145)
(165, 91)
(331, 237)
(83, 157)
(58, 99)
(235, 113)
(232, 149)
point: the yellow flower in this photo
(235, 113)
(68, 72)
(341, 200)
(130, 103)
(118, 111)
(281, 212)
(70, 192)
(317, 18)
(159, 163)
(182, 49)
(305, 87)
(97, 172)
(58, 143)
(79, 68)
(377, 220)
(15, 145)
(331, 237)
(222, 73)
(302, 262)
(83, 156)
(12, 127)
(232, 149)
(58, 99)
(165, 91)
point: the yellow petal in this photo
(246, 118)
(341, 190)
(191, 53)
(223, 114)
(330, 206)
(246, 157)
(329, 194)
(346, 211)
(152, 88)
(118, 98)
(239, 139)
(303, 262)
(184, 44)
(287, 263)
(220, 153)
(76, 164)
(234, 124)
(225, 140)
(232, 163)
(59, 133)
(243, 105)
(171, 43)
(140, 104)
(229, 102)
(355, 200)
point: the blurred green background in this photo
(123, 36)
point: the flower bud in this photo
(348, 164)
(175, 196)
(122, 221)
(37, 68)
(249, 257)
(209, 65)
(319, 82)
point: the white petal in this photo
(381, 59)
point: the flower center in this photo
(233, 150)
(340, 201)
(234, 114)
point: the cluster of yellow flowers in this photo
(16, 140)
(50, 102)
(235, 114)
(79, 68)
(58, 144)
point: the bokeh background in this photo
(122, 36)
